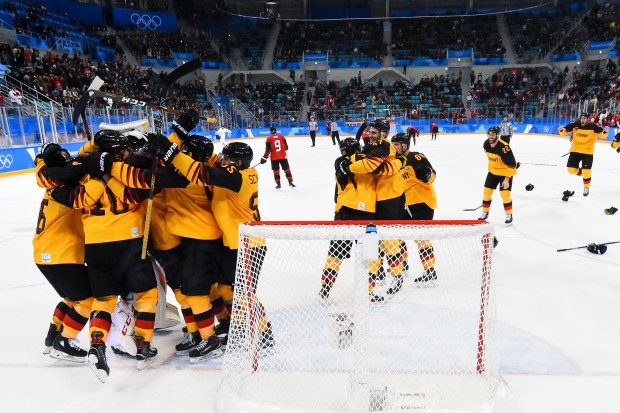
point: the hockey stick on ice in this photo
(80, 106)
(585, 246)
(539, 164)
(185, 69)
(565, 154)
(473, 209)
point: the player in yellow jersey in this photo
(421, 202)
(380, 160)
(616, 142)
(113, 221)
(235, 201)
(355, 199)
(502, 167)
(581, 154)
(59, 254)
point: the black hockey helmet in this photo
(585, 115)
(381, 124)
(273, 129)
(349, 146)
(110, 141)
(493, 129)
(402, 138)
(54, 155)
(135, 142)
(239, 151)
(200, 147)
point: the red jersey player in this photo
(434, 130)
(413, 132)
(276, 146)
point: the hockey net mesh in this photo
(318, 326)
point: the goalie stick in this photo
(585, 246)
(137, 102)
(80, 106)
(158, 121)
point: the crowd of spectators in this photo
(270, 101)
(152, 44)
(593, 89)
(343, 40)
(533, 35)
(598, 24)
(64, 79)
(521, 92)
(433, 97)
(429, 38)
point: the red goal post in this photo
(330, 316)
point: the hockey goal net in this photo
(330, 316)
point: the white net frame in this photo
(428, 346)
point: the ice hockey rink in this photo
(557, 312)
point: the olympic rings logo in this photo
(6, 161)
(145, 21)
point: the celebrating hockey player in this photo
(581, 154)
(502, 167)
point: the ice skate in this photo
(97, 358)
(221, 332)
(68, 349)
(508, 220)
(49, 339)
(484, 216)
(190, 340)
(427, 280)
(145, 354)
(207, 349)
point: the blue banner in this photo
(158, 62)
(601, 45)
(490, 60)
(353, 64)
(308, 57)
(287, 65)
(453, 54)
(564, 57)
(216, 65)
(144, 20)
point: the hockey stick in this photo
(564, 154)
(473, 209)
(585, 246)
(185, 69)
(80, 106)
(137, 102)
(540, 164)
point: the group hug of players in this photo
(386, 180)
(93, 212)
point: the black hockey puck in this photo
(529, 187)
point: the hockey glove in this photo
(423, 173)
(185, 123)
(403, 159)
(263, 160)
(98, 164)
(597, 248)
(161, 147)
(342, 166)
